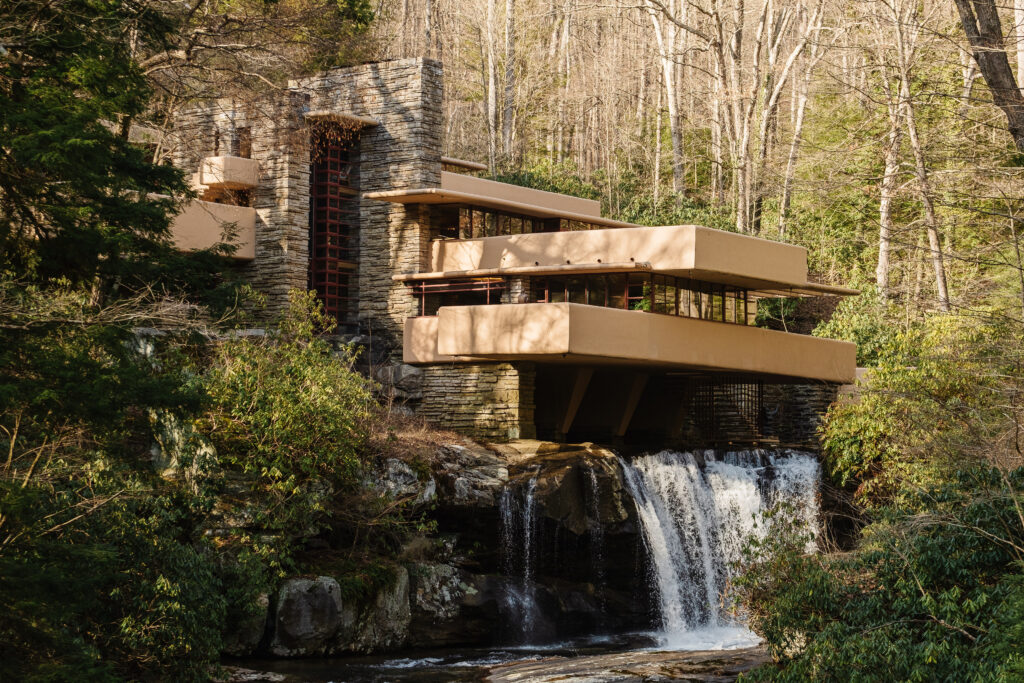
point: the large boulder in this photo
(380, 624)
(402, 381)
(307, 615)
(310, 618)
(452, 607)
(579, 487)
(178, 451)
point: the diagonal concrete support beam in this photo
(636, 390)
(579, 389)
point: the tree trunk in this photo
(492, 96)
(906, 35)
(508, 110)
(931, 220)
(1020, 265)
(665, 34)
(980, 20)
(890, 179)
(794, 151)
(745, 161)
(428, 25)
(717, 170)
(970, 75)
(1018, 35)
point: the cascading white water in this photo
(696, 520)
(596, 540)
(517, 537)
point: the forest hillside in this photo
(886, 136)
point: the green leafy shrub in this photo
(928, 596)
(289, 412)
(933, 588)
(872, 323)
(934, 398)
(563, 178)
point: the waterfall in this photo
(596, 531)
(518, 522)
(696, 511)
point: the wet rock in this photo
(237, 674)
(715, 666)
(383, 624)
(451, 607)
(399, 480)
(244, 636)
(307, 615)
(469, 475)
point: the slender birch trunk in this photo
(890, 179)
(794, 151)
(492, 96)
(508, 108)
(905, 49)
(1018, 35)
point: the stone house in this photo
(519, 313)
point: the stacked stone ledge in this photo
(493, 402)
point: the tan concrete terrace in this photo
(576, 333)
(692, 251)
(457, 188)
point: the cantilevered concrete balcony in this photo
(228, 173)
(457, 188)
(765, 267)
(201, 225)
(566, 333)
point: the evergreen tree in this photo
(77, 199)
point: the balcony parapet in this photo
(471, 185)
(228, 173)
(465, 190)
(692, 251)
(567, 333)
(202, 225)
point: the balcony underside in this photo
(566, 333)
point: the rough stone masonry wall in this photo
(794, 412)
(281, 199)
(487, 401)
(280, 142)
(403, 151)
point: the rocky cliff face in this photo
(459, 586)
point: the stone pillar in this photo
(488, 401)
(280, 143)
(403, 151)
